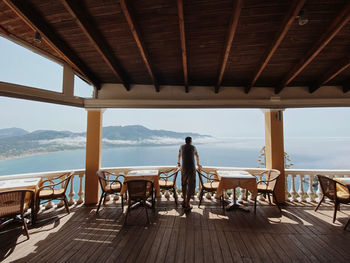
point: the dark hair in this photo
(188, 140)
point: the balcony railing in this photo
(301, 185)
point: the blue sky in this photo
(21, 66)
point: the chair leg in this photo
(122, 203)
(127, 213)
(66, 204)
(335, 211)
(99, 203)
(222, 199)
(200, 198)
(25, 226)
(347, 224)
(268, 195)
(255, 204)
(319, 203)
(175, 196)
(276, 201)
(146, 212)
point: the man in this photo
(188, 171)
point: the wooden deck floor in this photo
(205, 235)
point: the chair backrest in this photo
(209, 176)
(12, 202)
(102, 178)
(137, 189)
(272, 178)
(166, 175)
(328, 186)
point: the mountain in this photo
(16, 142)
(12, 132)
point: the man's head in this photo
(188, 140)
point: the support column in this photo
(274, 148)
(93, 155)
(68, 81)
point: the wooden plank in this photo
(338, 23)
(334, 71)
(138, 39)
(28, 13)
(237, 7)
(180, 10)
(287, 22)
(97, 39)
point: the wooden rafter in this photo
(36, 22)
(287, 22)
(97, 39)
(237, 7)
(180, 10)
(331, 74)
(338, 23)
(138, 39)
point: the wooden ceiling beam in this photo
(287, 22)
(33, 18)
(97, 40)
(138, 39)
(180, 10)
(338, 23)
(331, 74)
(237, 7)
(346, 86)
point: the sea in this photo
(304, 153)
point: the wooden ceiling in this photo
(237, 43)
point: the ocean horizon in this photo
(305, 153)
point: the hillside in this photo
(16, 142)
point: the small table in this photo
(233, 179)
(152, 175)
(24, 183)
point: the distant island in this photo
(16, 142)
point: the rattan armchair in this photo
(14, 203)
(109, 186)
(167, 181)
(337, 192)
(139, 191)
(54, 189)
(211, 185)
(267, 187)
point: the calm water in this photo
(306, 153)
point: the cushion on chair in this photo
(213, 185)
(343, 196)
(112, 188)
(264, 187)
(50, 192)
(163, 183)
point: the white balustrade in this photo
(310, 191)
(71, 192)
(301, 188)
(81, 192)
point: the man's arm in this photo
(178, 159)
(197, 157)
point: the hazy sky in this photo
(22, 66)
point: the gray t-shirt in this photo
(187, 153)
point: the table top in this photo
(143, 173)
(19, 183)
(235, 174)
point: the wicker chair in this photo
(138, 193)
(54, 190)
(14, 203)
(109, 186)
(267, 187)
(210, 186)
(335, 191)
(166, 184)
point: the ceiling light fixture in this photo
(37, 37)
(302, 18)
